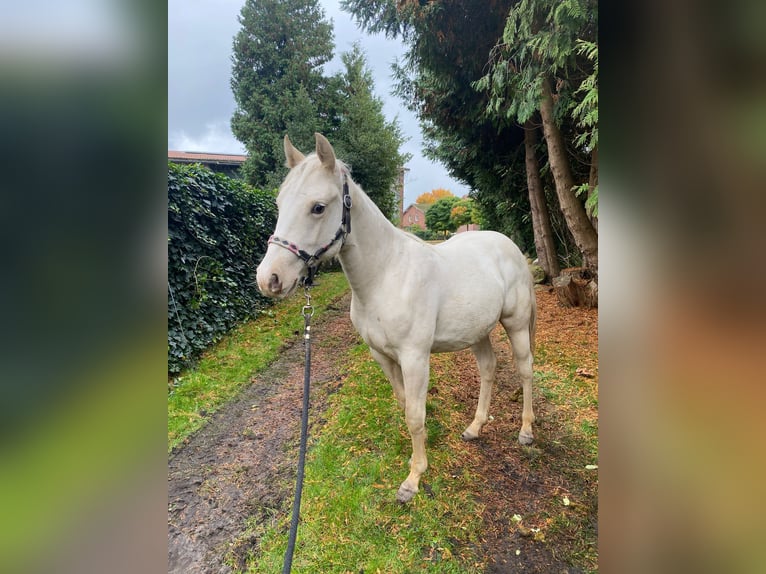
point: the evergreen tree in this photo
(477, 74)
(539, 65)
(277, 81)
(280, 88)
(363, 138)
(448, 45)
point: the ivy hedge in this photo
(217, 233)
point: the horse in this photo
(408, 298)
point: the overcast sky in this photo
(200, 101)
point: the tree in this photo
(277, 81)
(438, 216)
(532, 69)
(431, 197)
(464, 213)
(280, 88)
(448, 47)
(474, 89)
(586, 114)
(363, 137)
(541, 223)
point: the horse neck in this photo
(368, 247)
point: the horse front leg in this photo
(393, 372)
(415, 374)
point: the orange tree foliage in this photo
(431, 197)
(464, 213)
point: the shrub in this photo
(217, 232)
(424, 234)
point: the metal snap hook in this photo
(308, 308)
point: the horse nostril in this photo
(275, 285)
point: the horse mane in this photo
(411, 235)
(311, 157)
(340, 166)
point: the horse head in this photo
(313, 219)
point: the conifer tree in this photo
(280, 87)
(363, 137)
(277, 81)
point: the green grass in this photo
(573, 402)
(350, 520)
(249, 348)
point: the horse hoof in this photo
(526, 439)
(405, 494)
(468, 436)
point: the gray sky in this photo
(200, 102)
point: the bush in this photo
(218, 229)
(424, 234)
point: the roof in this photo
(421, 206)
(206, 157)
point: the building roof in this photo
(421, 206)
(206, 157)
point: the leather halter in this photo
(312, 261)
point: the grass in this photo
(573, 402)
(350, 520)
(249, 348)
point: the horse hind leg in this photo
(521, 344)
(485, 357)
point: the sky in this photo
(200, 101)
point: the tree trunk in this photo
(576, 287)
(584, 234)
(592, 183)
(541, 221)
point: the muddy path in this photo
(240, 468)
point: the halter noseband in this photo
(312, 261)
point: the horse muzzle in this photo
(278, 276)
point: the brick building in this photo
(414, 216)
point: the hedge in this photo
(218, 229)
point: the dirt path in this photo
(240, 468)
(521, 481)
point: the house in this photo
(225, 163)
(414, 216)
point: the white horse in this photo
(409, 298)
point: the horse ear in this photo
(292, 155)
(325, 153)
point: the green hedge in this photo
(217, 233)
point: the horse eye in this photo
(318, 209)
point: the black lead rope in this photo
(312, 262)
(308, 312)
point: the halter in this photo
(312, 261)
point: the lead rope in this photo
(308, 312)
